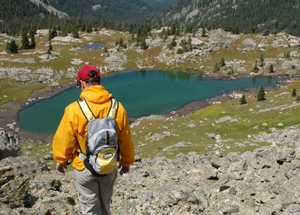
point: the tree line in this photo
(240, 16)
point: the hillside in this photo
(121, 10)
(247, 15)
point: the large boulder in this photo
(9, 144)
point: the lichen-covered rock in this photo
(9, 144)
(21, 166)
(14, 192)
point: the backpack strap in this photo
(89, 114)
(86, 109)
(113, 108)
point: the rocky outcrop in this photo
(265, 181)
(42, 75)
(9, 144)
(51, 9)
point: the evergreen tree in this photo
(271, 68)
(49, 48)
(105, 50)
(52, 33)
(203, 32)
(132, 38)
(222, 62)
(294, 94)
(172, 44)
(143, 44)
(121, 42)
(216, 68)
(179, 51)
(243, 100)
(83, 27)
(48, 51)
(173, 29)
(261, 94)
(32, 43)
(12, 47)
(287, 55)
(25, 41)
(262, 61)
(75, 33)
(255, 68)
(189, 41)
(89, 28)
(63, 32)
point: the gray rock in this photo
(9, 144)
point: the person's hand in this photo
(60, 168)
(124, 169)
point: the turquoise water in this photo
(141, 93)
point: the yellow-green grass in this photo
(14, 90)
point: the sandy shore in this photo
(9, 111)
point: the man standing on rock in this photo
(70, 140)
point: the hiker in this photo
(70, 141)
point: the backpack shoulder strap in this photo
(113, 108)
(85, 109)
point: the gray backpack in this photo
(102, 142)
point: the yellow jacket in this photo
(73, 128)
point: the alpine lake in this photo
(142, 93)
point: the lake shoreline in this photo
(9, 111)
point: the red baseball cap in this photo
(84, 73)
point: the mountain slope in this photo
(121, 10)
(270, 14)
(45, 4)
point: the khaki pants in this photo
(94, 193)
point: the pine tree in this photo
(271, 68)
(294, 94)
(52, 33)
(143, 44)
(89, 28)
(121, 42)
(255, 68)
(243, 100)
(25, 41)
(105, 50)
(63, 32)
(12, 47)
(172, 44)
(262, 61)
(216, 68)
(179, 51)
(32, 44)
(203, 32)
(49, 48)
(75, 33)
(261, 94)
(222, 62)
